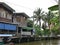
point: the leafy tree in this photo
(30, 23)
(56, 7)
(44, 26)
(49, 16)
(46, 32)
(55, 21)
(38, 30)
(55, 29)
(45, 18)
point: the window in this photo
(2, 14)
(9, 16)
(18, 19)
(5, 15)
(24, 17)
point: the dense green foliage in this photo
(46, 32)
(38, 30)
(53, 23)
(30, 23)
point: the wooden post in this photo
(33, 21)
(20, 36)
(17, 31)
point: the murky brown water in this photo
(43, 42)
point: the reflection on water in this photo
(43, 42)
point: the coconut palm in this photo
(44, 18)
(49, 16)
(38, 16)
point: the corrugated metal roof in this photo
(6, 6)
(53, 8)
(23, 14)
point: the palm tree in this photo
(44, 18)
(49, 16)
(38, 16)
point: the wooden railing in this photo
(5, 20)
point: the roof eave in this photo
(53, 8)
(8, 7)
(23, 14)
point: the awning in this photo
(27, 28)
(54, 8)
(7, 26)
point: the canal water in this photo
(42, 42)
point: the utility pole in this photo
(59, 13)
(33, 20)
(59, 10)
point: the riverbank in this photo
(32, 39)
(41, 42)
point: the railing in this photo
(25, 33)
(5, 20)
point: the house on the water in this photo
(13, 23)
(21, 20)
(6, 25)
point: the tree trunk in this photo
(37, 22)
(49, 27)
(45, 24)
(40, 24)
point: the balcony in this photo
(5, 20)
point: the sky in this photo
(28, 6)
